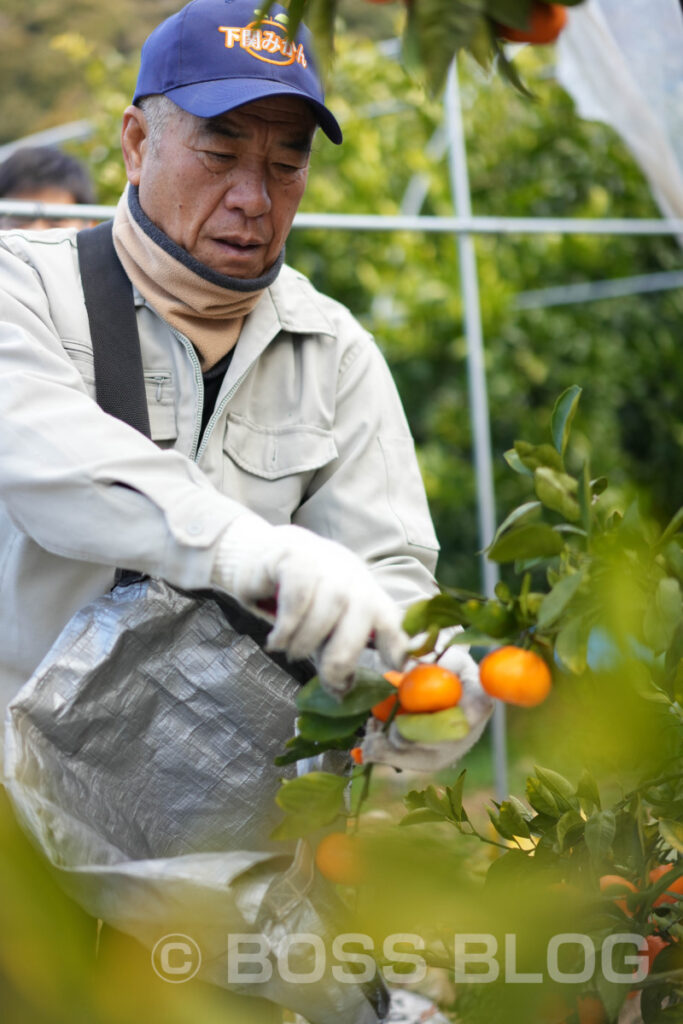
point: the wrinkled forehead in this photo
(289, 119)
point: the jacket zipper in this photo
(199, 381)
(217, 412)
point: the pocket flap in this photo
(272, 452)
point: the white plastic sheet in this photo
(622, 62)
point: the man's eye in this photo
(288, 168)
(219, 156)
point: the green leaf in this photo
(556, 491)
(442, 28)
(514, 817)
(420, 817)
(440, 611)
(318, 796)
(663, 617)
(672, 529)
(508, 71)
(569, 829)
(587, 792)
(674, 560)
(517, 516)
(561, 788)
(500, 826)
(571, 644)
(437, 727)
(320, 729)
(490, 617)
(586, 498)
(672, 834)
(537, 456)
(368, 689)
(295, 827)
(541, 799)
(415, 799)
(298, 748)
(513, 13)
(436, 801)
(600, 830)
(611, 993)
(563, 415)
(557, 600)
(454, 794)
(537, 540)
(427, 645)
(514, 462)
(674, 655)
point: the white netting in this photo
(622, 62)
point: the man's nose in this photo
(248, 192)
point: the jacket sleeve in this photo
(371, 496)
(81, 483)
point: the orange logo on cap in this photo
(264, 42)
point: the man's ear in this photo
(134, 142)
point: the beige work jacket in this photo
(308, 428)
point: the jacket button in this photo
(195, 528)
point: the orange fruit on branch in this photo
(338, 859)
(515, 676)
(618, 880)
(545, 24)
(429, 687)
(383, 708)
(675, 887)
(591, 1010)
(356, 755)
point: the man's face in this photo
(225, 189)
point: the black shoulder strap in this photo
(119, 382)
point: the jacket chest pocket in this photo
(269, 469)
(158, 390)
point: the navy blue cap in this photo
(213, 56)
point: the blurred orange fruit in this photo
(608, 881)
(545, 24)
(338, 859)
(515, 676)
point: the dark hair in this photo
(35, 167)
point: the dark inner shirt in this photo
(213, 379)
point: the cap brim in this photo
(208, 99)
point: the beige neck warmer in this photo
(207, 307)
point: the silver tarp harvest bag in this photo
(139, 757)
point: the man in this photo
(45, 175)
(286, 467)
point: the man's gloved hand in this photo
(391, 748)
(328, 603)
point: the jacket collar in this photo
(289, 304)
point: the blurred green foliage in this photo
(38, 88)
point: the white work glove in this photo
(328, 603)
(391, 748)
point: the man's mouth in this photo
(240, 244)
